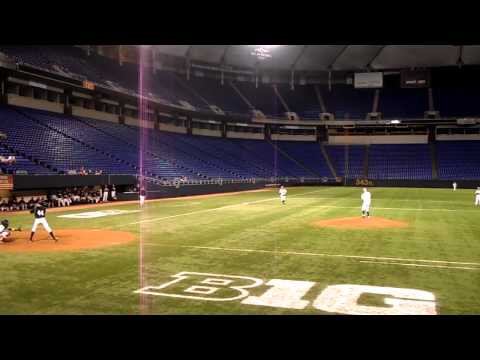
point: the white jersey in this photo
(477, 193)
(283, 192)
(366, 197)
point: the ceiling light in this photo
(262, 52)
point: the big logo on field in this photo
(289, 294)
(97, 214)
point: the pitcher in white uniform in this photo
(366, 201)
(454, 186)
(283, 194)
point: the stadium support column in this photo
(188, 124)
(268, 132)
(156, 120)
(224, 129)
(67, 105)
(3, 88)
(322, 133)
(121, 113)
(431, 134)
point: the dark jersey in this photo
(39, 211)
(143, 193)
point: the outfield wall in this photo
(158, 192)
(465, 184)
(30, 182)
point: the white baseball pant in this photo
(366, 206)
(44, 223)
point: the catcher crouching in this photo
(6, 231)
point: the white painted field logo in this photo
(97, 214)
(288, 294)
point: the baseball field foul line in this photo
(421, 265)
(317, 254)
(206, 210)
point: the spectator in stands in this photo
(105, 194)
(62, 201)
(98, 197)
(68, 199)
(14, 206)
(31, 203)
(75, 196)
(52, 200)
(4, 205)
(22, 204)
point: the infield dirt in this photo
(69, 240)
(361, 223)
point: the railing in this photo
(222, 181)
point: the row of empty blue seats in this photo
(45, 142)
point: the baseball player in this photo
(283, 195)
(454, 186)
(40, 211)
(5, 231)
(366, 201)
(105, 194)
(477, 196)
(143, 196)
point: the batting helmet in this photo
(5, 223)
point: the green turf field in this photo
(253, 235)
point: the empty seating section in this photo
(301, 100)
(356, 161)
(223, 96)
(192, 156)
(262, 98)
(408, 103)
(457, 101)
(50, 147)
(346, 102)
(307, 153)
(336, 154)
(458, 160)
(270, 157)
(454, 95)
(218, 151)
(47, 143)
(154, 160)
(172, 86)
(412, 161)
(22, 165)
(351, 167)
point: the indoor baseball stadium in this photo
(239, 179)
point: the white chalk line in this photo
(206, 210)
(316, 254)
(389, 208)
(420, 265)
(386, 199)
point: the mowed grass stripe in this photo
(205, 210)
(285, 252)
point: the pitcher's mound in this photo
(361, 223)
(69, 240)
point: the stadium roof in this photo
(330, 57)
